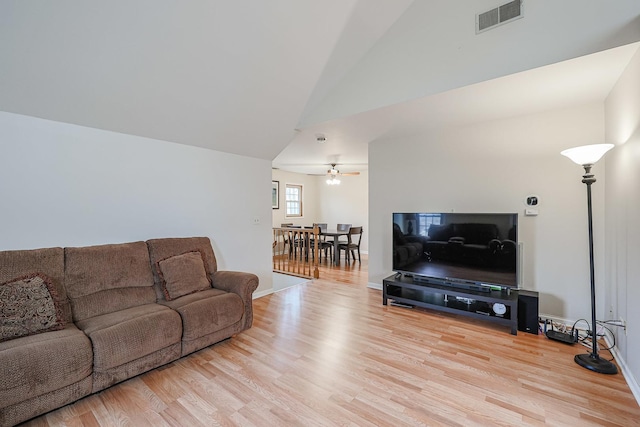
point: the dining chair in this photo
(339, 227)
(302, 243)
(342, 227)
(323, 244)
(351, 246)
(291, 239)
(285, 240)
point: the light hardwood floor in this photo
(329, 353)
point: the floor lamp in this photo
(586, 156)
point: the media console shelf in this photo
(467, 302)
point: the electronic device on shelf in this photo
(494, 306)
(560, 336)
(474, 251)
(499, 308)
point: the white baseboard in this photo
(376, 286)
(626, 372)
(261, 294)
(557, 319)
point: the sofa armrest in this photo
(241, 283)
(238, 282)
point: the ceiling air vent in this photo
(498, 16)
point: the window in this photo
(293, 200)
(425, 221)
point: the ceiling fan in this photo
(333, 174)
(333, 171)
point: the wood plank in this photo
(328, 352)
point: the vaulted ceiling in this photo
(265, 78)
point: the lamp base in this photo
(594, 363)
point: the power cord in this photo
(611, 335)
(586, 338)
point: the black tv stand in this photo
(460, 284)
(438, 295)
(477, 288)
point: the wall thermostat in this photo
(532, 200)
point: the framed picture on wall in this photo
(275, 194)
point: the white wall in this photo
(310, 200)
(622, 110)
(493, 167)
(346, 203)
(67, 185)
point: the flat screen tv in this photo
(476, 250)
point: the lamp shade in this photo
(587, 154)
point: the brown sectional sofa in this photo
(47, 370)
(123, 309)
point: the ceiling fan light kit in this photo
(333, 181)
(333, 173)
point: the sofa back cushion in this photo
(29, 305)
(48, 261)
(162, 249)
(183, 274)
(108, 278)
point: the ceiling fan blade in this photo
(350, 173)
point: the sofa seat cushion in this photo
(130, 334)
(37, 364)
(207, 312)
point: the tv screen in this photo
(457, 248)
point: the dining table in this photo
(335, 234)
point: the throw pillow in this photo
(29, 305)
(182, 275)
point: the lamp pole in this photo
(592, 360)
(586, 156)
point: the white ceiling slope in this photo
(369, 21)
(432, 70)
(433, 48)
(232, 76)
(241, 76)
(563, 85)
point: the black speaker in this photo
(528, 311)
